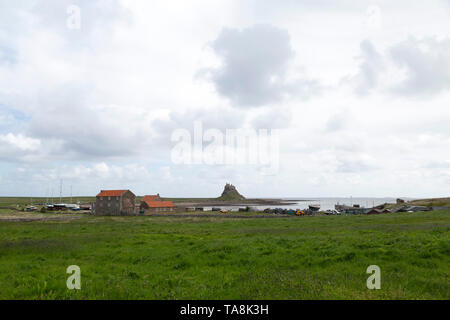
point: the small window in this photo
(117, 198)
(109, 198)
(109, 205)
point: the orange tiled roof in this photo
(160, 204)
(150, 198)
(111, 193)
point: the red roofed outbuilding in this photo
(151, 204)
(115, 203)
(151, 198)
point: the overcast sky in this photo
(360, 91)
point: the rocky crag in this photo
(230, 193)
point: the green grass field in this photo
(216, 258)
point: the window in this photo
(117, 198)
(109, 205)
(109, 198)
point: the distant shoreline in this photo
(247, 202)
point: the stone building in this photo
(115, 203)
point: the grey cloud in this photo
(369, 69)
(273, 119)
(73, 127)
(427, 66)
(273, 7)
(44, 180)
(254, 66)
(8, 56)
(97, 19)
(217, 118)
(11, 119)
(95, 15)
(337, 121)
(438, 164)
(220, 118)
(83, 130)
(353, 166)
(220, 175)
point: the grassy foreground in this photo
(216, 258)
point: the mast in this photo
(60, 191)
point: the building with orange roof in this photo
(152, 204)
(114, 203)
(152, 198)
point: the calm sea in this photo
(325, 203)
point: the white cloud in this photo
(21, 142)
(17, 148)
(97, 106)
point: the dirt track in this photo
(28, 219)
(156, 215)
(232, 216)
